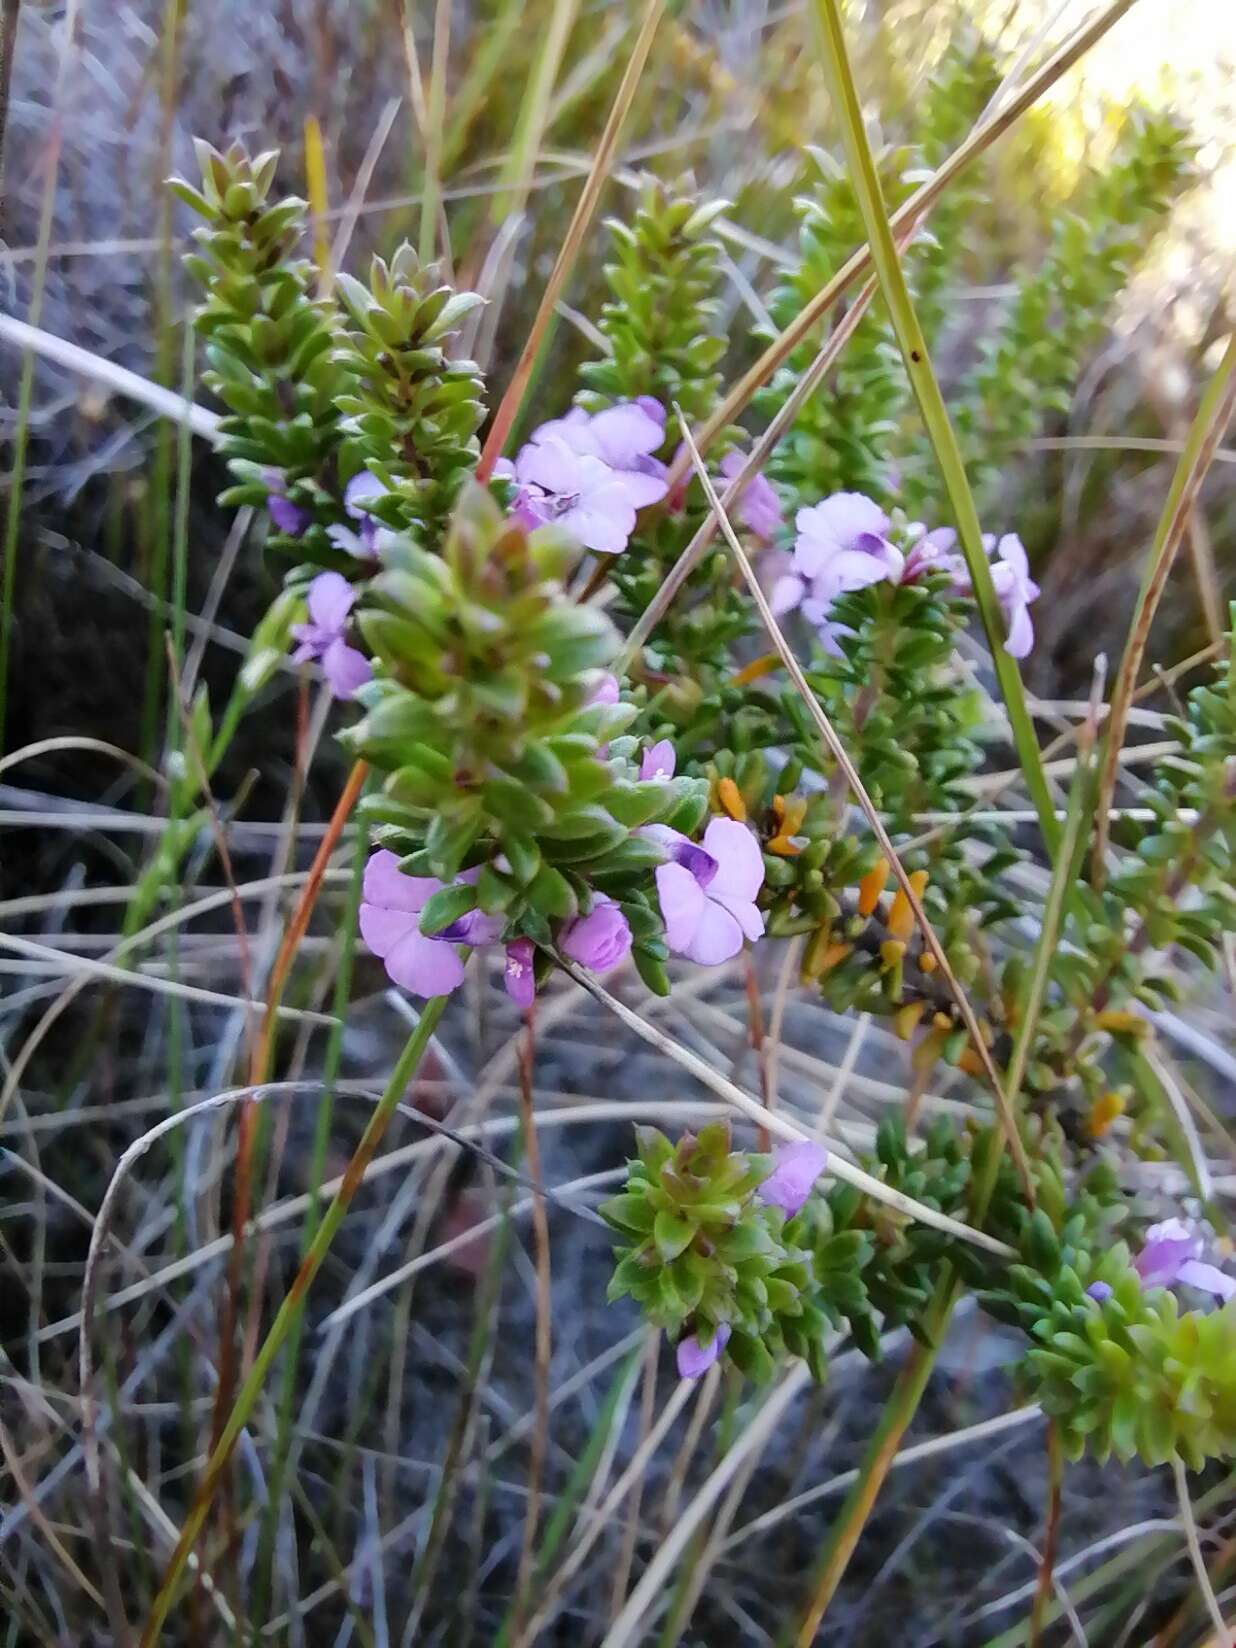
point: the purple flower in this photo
(934, 551)
(841, 545)
(1098, 1291)
(1172, 1252)
(290, 518)
(759, 508)
(659, 761)
(599, 940)
(606, 691)
(580, 493)
(363, 543)
(331, 598)
(623, 436)
(694, 1358)
(518, 977)
(1015, 589)
(796, 1167)
(390, 916)
(707, 892)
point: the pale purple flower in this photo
(606, 691)
(288, 517)
(390, 916)
(934, 551)
(796, 1167)
(623, 436)
(840, 545)
(707, 892)
(331, 598)
(1098, 1291)
(1172, 1252)
(363, 542)
(1015, 589)
(659, 761)
(694, 1359)
(518, 975)
(599, 940)
(580, 493)
(759, 508)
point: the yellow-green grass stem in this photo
(830, 35)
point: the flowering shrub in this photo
(542, 782)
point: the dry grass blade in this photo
(753, 1439)
(837, 750)
(1212, 419)
(96, 369)
(780, 1126)
(512, 400)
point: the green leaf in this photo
(673, 1235)
(444, 907)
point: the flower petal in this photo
(659, 761)
(382, 928)
(518, 976)
(740, 864)
(693, 1359)
(331, 597)
(345, 668)
(623, 434)
(1196, 1273)
(796, 1168)
(424, 966)
(682, 901)
(359, 488)
(787, 593)
(716, 938)
(387, 885)
(1020, 639)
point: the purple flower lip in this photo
(796, 1168)
(330, 599)
(702, 865)
(1173, 1252)
(518, 976)
(290, 518)
(694, 1359)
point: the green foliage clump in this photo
(901, 1260)
(1130, 1373)
(269, 340)
(704, 1252)
(661, 320)
(849, 436)
(485, 721)
(1173, 888)
(1028, 367)
(411, 410)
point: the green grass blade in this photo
(831, 38)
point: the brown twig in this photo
(1051, 1533)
